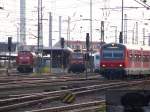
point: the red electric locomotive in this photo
(76, 62)
(119, 60)
(25, 61)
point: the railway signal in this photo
(86, 56)
(9, 49)
(120, 38)
(62, 42)
(9, 43)
(87, 41)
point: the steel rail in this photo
(57, 95)
(71, 107)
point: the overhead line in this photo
(143, 4)
(121, 7)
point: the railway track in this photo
(81, 107)
(47, 97)
(20, 77)
(11, 91)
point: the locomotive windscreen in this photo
(77, 56)
(24, 52)
(113, 52)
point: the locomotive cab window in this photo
(116, 54)
(97, 57)
(113, 51)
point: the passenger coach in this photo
(119, 60)
(96, 61)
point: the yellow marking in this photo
(66, 97)
(71, 99)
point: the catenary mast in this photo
(22, 23)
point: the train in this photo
(25, 61)
(121, 61)
(76, 62)
(96, 61)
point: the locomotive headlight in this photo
(103, 65)
(21, 58)
(120, 65)
(27, 58)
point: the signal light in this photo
(103, 65)
(113, 44)
(120, 65)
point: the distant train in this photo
(25, 61)
(76, 63)
(96, 62)
(119, 60)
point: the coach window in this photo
(97, 57)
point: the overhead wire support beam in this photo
(113, 8)
(143, 4)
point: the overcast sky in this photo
(78, 10)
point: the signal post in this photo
(86, 57)
(62, 41)
(9, 49)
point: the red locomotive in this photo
(25, 61)
(119, 60)
(76, 62)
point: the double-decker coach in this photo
(119, 60)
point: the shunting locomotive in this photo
(25, 61)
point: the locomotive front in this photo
(76, 63)
(113, 60)
(25, 61)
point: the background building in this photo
(80, 45)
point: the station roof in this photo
(56, 51)
(4, 47)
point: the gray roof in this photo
(4, 47)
